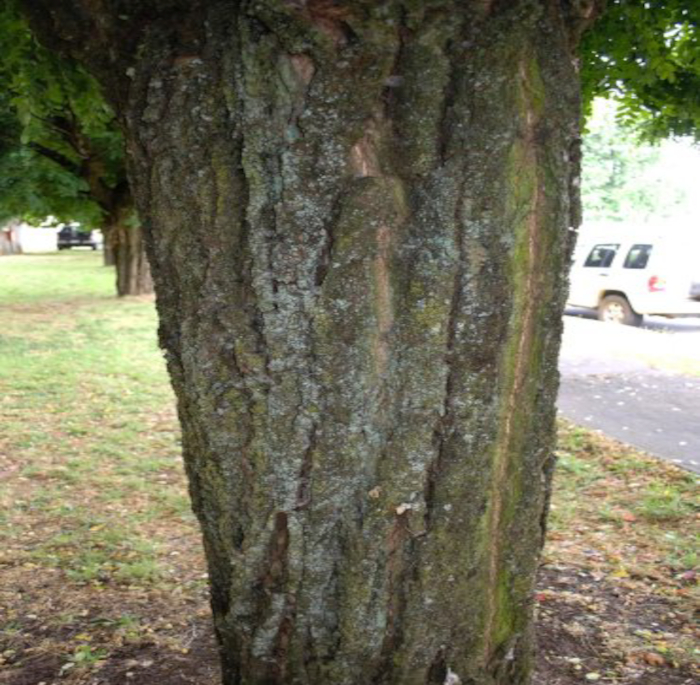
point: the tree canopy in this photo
(61, 152)
(646, 55)
(31, 185)
(622, 178)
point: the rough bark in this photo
(359, 220)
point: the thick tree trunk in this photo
(131, 265)
(359, 218)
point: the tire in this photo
(616, 309)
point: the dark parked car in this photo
(71, 236)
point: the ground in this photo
(639, 385)
(102, 579)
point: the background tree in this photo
(63, 154)
(31, 185)
(622, 178)
(646, 55)
(358, 216)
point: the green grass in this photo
(665, 503)
(56, 277)
(87, 418)
(606, 491)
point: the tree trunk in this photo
(9, 240)
(131, 265)
(359, 218)
(108, 258)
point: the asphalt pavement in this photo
(638, 385)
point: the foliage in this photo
(61, 152)
(646, 55)
(32, 187)
(620, 176)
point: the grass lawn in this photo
(102, 579)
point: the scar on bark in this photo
(303, 67)
(385, 315)
(397, 536)
(277, 556)
(328, 16)
(524, 343)
(304, 489)
(186, 60)
(363, 155)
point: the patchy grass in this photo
(638, 512)
(619, 581)
(102, 579)
(100, 561)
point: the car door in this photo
(631, 274)
(590, 273)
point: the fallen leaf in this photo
(653, 659)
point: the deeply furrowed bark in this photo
(358, 216)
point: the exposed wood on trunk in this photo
(526, 166)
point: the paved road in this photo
(624, 382)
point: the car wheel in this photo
(616, 309)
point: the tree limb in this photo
(56, 157)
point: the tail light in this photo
(656, 284)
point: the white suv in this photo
(625, 278)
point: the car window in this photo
(601, 256)
(637, 257)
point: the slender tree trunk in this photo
(359, 218)
(9, 242)
(131, 265)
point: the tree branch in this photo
(56, 157)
